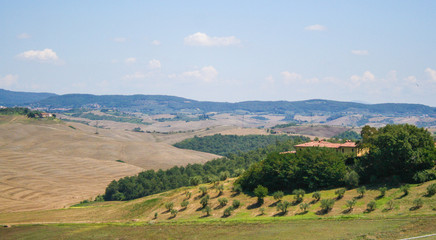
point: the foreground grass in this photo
(290, 229)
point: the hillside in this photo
(382, 222)
(11, 98)
(154, 104)
(49, 164)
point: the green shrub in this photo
(299, 195)
(340, 193)
(418, 203)
(228, 211)
(361, 191)
(262, 211)
(174, 213)
(405, 189)
(204, 201)
(184, 204)
(383, 191)
(169, 206)
(283, 206)
(316, 196)
(278, 195)
(155, 215)
(237, 188)
(351, 179)
(304, 206)
(236, 203)
(350, 204)
(431, 189)
(188, 194)
(327, 204)
(390, 204)
(371, 206)
(203, 190)
(220, 189)
(207, 210)
(223, 201)
(260, 192)
(224, 175)
(194, 181)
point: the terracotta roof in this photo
(327, 144)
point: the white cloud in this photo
(431, 73)
(270, 79)
(120, 39)
(136, 75)
(289, 77)
(155, 42)
(8, 80)
(360, 52)
(153, 64)
(23, 36)
(202, 39)
(45, 55)
(205, 74)
(366, 77)
(316, 27)
(130, 60)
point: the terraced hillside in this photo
(46, 164)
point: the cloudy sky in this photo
(367, 51)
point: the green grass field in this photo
(136, 219)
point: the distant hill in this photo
(11, 98)
(156, 104)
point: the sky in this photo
(227, 51)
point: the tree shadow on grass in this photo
(280, 214)
(414, 208)
(404, 194)
(235, 194)
(322, 212)
(379, 197)
(347, 211)
(199, 209)
(254, 205)
(301, 213)
(273, 204)
(204, 216)
(183, 209)
(313, 201)
(358, 197)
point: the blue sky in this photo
(368, 51)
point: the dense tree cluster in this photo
(311, 168)
(151, 182)
(20, 111)
(348, 135)
(229, 144)
(396, 150)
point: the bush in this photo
(223, 201)
(278, 195)
(351, 179)
(262, 211)
(194, 181)
(383, 191)
(228, 211)
(390, 204)
(220, 189)
(361, 191)
(203, 190)
(418, 203)
(204, 201)
(431, 189)
(169, 206)
(405, 189)
(188, 194)
(283, 206)
(184, 204)
(350, 204)
(207, 210)
(260, 192)
(327, 204)
(236, 203)
(340, 193)
(155, 215)
(299, 195)
(224, 175)
(237, 188)
(304, 206)
(371, 206)
(424, 176)
(174, 213)
(316, 196)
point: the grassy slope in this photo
(133, 217)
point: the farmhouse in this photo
(348, 147)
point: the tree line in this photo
(152, 182)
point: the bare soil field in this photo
(51, 164)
